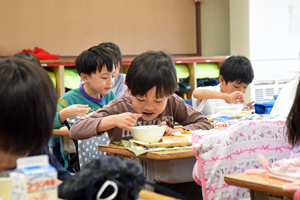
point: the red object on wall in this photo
(41, 54)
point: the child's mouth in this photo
(148, 114)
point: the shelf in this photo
(57, 66)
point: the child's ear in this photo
(129, 91)
(84, 77)
(221, 80)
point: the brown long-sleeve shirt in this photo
(176, 111)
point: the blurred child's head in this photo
(116, 52)
(28, 106)
(151, 79)
(293, 120)
(28, 56)
(236, 73)
(96, 69)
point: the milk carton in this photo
(34, 179)
(220, 123)
(223, 122)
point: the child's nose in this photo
(111, 80)
(148, 107)
(243, 90)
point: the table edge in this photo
(150, 155)
(258, 186)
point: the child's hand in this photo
(251, 104)
(127, 120)
(235, 97)
(169, 130)
(77, 110)
(73, 110)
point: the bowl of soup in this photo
(149, 133)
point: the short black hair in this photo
(28, 106)
(149, 69)
(115, 50)
(28, 56)
(237, 68)
(94, 59)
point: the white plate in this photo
(229, 108)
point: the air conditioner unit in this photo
(266, 89)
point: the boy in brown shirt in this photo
(150, 100)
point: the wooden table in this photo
(61, 132)
(5, 192)
(148, 195)
(260, 185)
(174, 166)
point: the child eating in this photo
(150, 100)
(236, 73)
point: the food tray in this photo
(161, 144)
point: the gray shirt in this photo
(119, 86)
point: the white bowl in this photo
(150, 133)
(229, 108)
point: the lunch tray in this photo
(160, 144)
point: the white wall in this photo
(274, 29)
(268, 33)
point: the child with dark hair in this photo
(96, 68)
(293, 125)
(54, 140)
(27, 88)
(150, 100)
(236, 73)
(119, 85)
(28, 56)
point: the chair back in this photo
(88, 149)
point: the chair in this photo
(68, 145)
(188, 102)
(207, 74)
(87, 150)
(183, 74)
